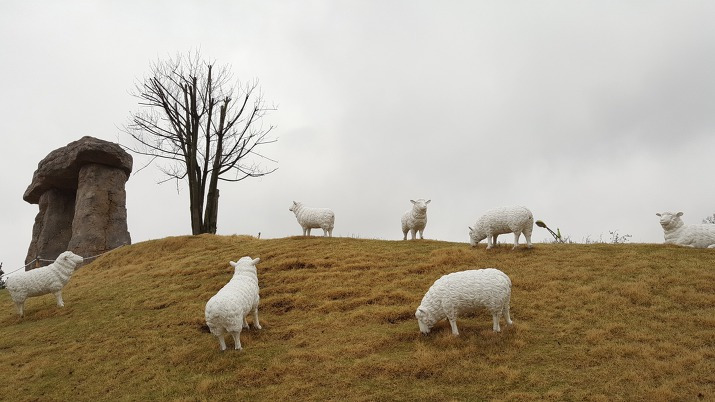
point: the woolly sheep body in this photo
(41, 281)
(226, 311)
(502, 220)
(459, 292)
(415, 219)
(313, 218)
(677, 232)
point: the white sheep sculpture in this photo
(226, 311)
(313, 218)
(415, 219)
(677, 232)
(458, 292)
(44, 280)
(502, 220)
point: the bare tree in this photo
(203, 127)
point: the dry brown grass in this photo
(592, 322)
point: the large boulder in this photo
(80, 191)
(60, 168)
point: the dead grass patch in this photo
(592, 322)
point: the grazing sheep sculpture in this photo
(226, 311)
(677, 232)
(44, 280)
(313, 218)
(458, 292)
(415, 219)
(502, 220)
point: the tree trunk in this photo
(211, 219)
(211, 216)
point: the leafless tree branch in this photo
(201, 127)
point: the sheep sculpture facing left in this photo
(693, 235)
(313, 218)
(459, 292)
(226, 311)
(44, 280)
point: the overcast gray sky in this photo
(593, 114)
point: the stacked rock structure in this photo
(80, 191)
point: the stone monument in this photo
(82, 200)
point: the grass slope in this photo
(594, 322)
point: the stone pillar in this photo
(53, 225)
(80, 191)
(100, 214)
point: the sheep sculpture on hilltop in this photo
(41, 281)
(415, 219)
(677, 232)
(226, 311)
(456, 293)
(502, 220)
(313, 218)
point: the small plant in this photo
(710, 219)
(557, 234)
(618, 239)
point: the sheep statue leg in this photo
(405, 232)
(308, 232)
(507, 314)
(237, 339)
(453, 324)
(495, 319)
(245, 322)
(491, 240)
(421, 236)
(330, 232)
(20, 306)
(516, 240)
(221, 342)
(58, 295)
(527, 235)
(255, 318)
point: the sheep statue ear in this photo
(233, 264)
(412, 201)
(679, 214)
(295, 203)
(428, 201)
(658, 214)
(256, 261)
(470, 229)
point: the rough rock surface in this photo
(60, 168)
(80, 191)
(53, 225)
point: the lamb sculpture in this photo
(502, 220)
(677, 232)
(44, 280)
(415, 219)
(313, 218)
(226, 311)
(458, 292)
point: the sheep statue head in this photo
(669, 220)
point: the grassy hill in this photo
(594, 322)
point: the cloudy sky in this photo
(594, 114)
